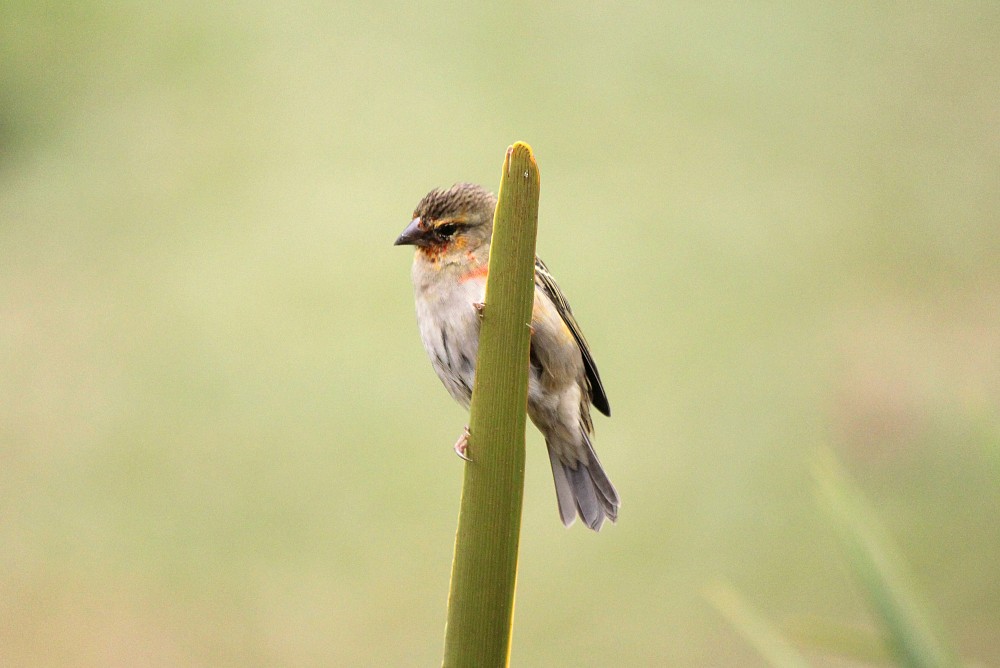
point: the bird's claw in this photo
(480, 308)
(462, 445)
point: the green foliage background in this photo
(221, 442)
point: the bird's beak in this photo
(415, 234)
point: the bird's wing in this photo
(544, 280)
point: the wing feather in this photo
(544, 280)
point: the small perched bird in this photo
(451, 230)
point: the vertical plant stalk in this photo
(484, 570)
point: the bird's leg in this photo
(480, 308)
(462, 445)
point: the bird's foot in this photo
(462, 445)
(480, 308)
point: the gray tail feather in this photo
(584, 490)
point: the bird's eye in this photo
(447, 229)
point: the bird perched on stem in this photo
(451, 230)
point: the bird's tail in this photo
(584, 490)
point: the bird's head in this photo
(456, 220)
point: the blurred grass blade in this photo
(913, 638)
(861, 645)
(757, 630)
(484, 570)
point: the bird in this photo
(451, 231)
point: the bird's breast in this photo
(449, 325)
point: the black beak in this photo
(415, 234)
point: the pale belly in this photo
(449, 330)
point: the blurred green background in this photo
(221, 443)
